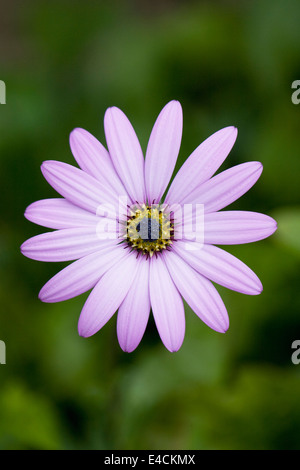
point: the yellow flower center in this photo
(149, 229)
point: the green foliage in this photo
(289, 222)
(229, 63)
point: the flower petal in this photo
(64, 245)
(226, 187)
(80, 188)
(59, 213)
(201, 164)
(81, 275)
(162, 150)
(107, 295)
(235, 227)
(125, 152)
(219, 266)
(167, 305)
(94, 159)
(134, 311)
(198, 292)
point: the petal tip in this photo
(232, 129)
(258, 288)
(78, 130)
(84, 333)
(225, 328)
(259, 166)
(176, 108)
(42, 296)
(111, 111)
(127, 349)
(175, 103)
(173, 346)
(273, 226)
(45, 296)
(173, 349)
(45, 166)
(23, 248)
(85, 328)
(235, 132)
(74, 134)
(221, 326)
(227, 132)
(27, 213)
(254, 286)
(255, 169)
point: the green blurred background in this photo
(228, 63)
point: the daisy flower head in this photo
(138, 246)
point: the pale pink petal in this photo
(235, 227)
(219, 266)
(94, 159)
(201, 164)
(80, 188)
(162, 151)
(64, 245)
(198, 292)
(59, 213)
(81, 275)
(167, 305)
(134, 311)
(126, 153)
(107, 295)
(226, 187)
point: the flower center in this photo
(149, 229)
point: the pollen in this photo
(149, 229)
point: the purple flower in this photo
(134, 251)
